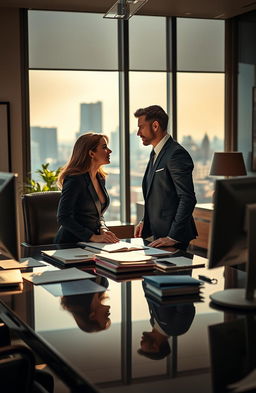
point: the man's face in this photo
(145, 131)
(148, 342)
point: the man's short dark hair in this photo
(152, 113)
(164, 350)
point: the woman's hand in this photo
(106, 236)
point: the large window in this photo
(74, 88)
(200, 96)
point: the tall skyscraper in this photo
(45, 142)
(90, 118)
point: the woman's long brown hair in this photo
(80, 160)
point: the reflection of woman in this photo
(84, 198)
(89, 310)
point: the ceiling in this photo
(219, 9)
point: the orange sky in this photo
(55, 98)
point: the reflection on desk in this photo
(109, 358)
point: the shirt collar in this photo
(161, 144)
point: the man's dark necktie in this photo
(150, 166)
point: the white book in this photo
(70, 255)
(51, 276)
(113, 247)
(125, 257)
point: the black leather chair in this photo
(18, 374)
(40, 221)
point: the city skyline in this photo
(60, 93)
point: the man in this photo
(166, 320)
(167, 184)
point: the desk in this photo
(109, 358)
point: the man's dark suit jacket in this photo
(80, 212)
(174, 320)
(169, 195)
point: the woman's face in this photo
(101, 156)
(100, 312)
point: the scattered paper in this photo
(69, 288)
(23, 264)
(50, 276)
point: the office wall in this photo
(246, 81)
(10, 79)
(11, 82)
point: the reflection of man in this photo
(166, 321)
(167, 184)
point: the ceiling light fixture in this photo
(124, 9)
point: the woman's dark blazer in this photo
(80, 213)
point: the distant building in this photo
(44, 140)
(90, 118)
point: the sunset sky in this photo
(55, 98)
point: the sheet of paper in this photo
(69, 288)
(50, 276)
(23, 264)
(245, 384)
(10, 277)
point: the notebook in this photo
(179, 263)
(70, 255)
(10, 278)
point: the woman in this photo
(84, 198)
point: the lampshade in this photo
(228, 164)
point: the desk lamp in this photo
(228, 164)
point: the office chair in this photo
(40, 221)
(18, 374)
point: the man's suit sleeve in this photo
(180, 167)
(72, 188)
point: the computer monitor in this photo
(9, 229)
(232, 237)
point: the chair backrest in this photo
(17, 365)
(40, 220)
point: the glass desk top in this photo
(205, 344)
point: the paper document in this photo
(69, 288)
(23, 264)
(70, 255)
(10, 277)
(113, 247)
(50, 276)
(245, 384)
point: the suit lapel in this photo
(156, 164)
(93, 193)
(102, 184)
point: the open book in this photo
(113, 247)
(70, 255)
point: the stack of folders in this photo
(123, 262)
(180, 287)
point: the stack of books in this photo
(125, 262)
(173, 287)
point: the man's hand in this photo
(105, 236)
(163, 242)
(138, 229)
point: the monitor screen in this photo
(228, 239)
(9, 233)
